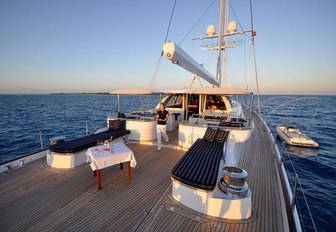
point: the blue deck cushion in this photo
(199, 166)
(82, 143)
(209, 134)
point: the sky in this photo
(99, 46)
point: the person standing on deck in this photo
(161, 117)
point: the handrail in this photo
(297, 182)
(42, 147)
(23, 156)
(293, 217)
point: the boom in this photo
(176, 55)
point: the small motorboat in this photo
(293, 136)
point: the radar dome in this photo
(211, 30)
(232, 27)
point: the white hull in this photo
(189, 133)
(293, 136)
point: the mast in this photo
(220, 39)
(226, 16)
(221, 67)
(175, 54)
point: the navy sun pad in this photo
(82, 143)
(200, 164)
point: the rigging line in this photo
(153, 81)
(247, 64)
(157, 68)
(247, 77)
(251, 14)
(291, 183)
(241, 27)
(293, 99)
(255, 60)
(170, 20)
(233, 81)
(315, 113)
(298, 207)
(165, 40)
(305, 199)
(303, 193)
(247, 67)
(256, 74)
(192, 28)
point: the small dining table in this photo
(101, 157)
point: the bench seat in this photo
(200, 164)
(85, 142)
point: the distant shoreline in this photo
(103, 93)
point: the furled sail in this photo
(176, 55)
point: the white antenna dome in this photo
(232, 27)
(211, 30)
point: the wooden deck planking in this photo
(255, 165)
(39, 201)
(262, 177)
(126, 205)
(40, 198)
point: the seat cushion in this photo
(209, 134)
(199, 166)
(221, 135)
(82, 143)
(117, 124)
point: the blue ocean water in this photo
(316, 167)
(24, 116)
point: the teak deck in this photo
(40, 198)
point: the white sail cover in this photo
(176, 55)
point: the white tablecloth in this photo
(100, 158)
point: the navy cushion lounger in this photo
(200, 164)
(82, 143)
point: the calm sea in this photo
(24, 117)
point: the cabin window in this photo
(175, 101)
(193, 100)
(215, 102)
(193, 104)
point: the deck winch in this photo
(56, 140)
(233, 181)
